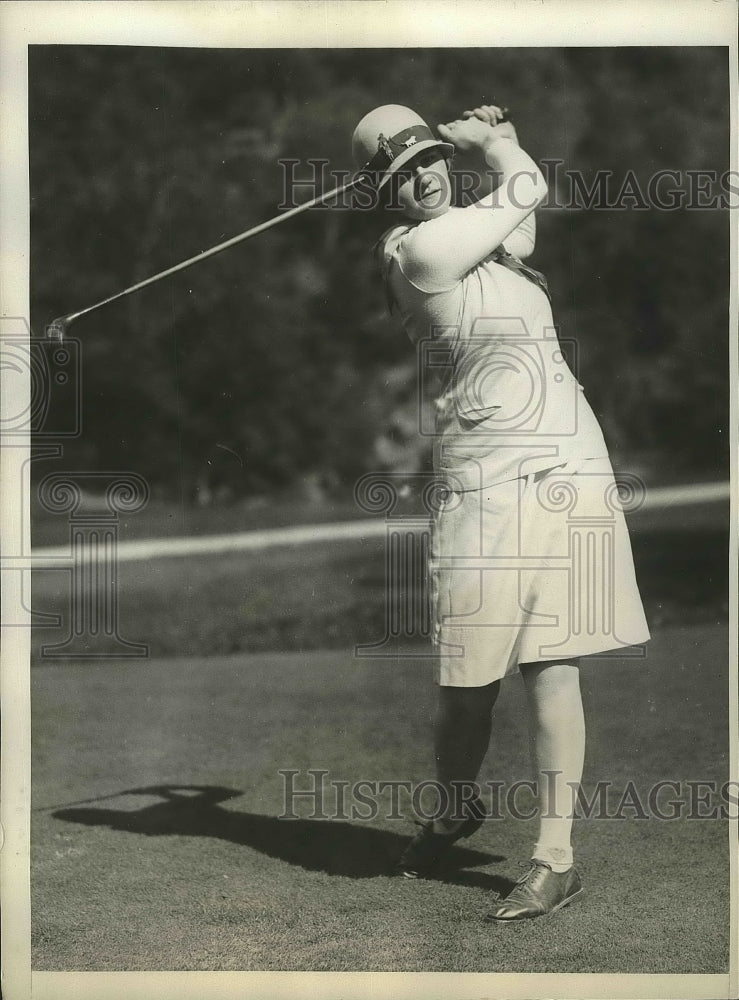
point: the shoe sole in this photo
(547, 913)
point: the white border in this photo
(368, 24)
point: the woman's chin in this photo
(421, 212)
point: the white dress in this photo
(531, 558)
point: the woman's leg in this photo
(557, 727)
(558, 743)
(462, 736)
(461, 740)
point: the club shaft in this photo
(219, 248)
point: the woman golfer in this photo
(531, 565)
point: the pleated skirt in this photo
(537, 568)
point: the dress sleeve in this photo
(522, 240)
(426, 274)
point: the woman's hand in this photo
(489, 113)
(440, 252)
(494, 115)
(477, 128)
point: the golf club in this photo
(57, 329)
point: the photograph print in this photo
(379, 499)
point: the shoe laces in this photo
(529, 867)
(532, 867)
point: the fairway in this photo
(156, 842)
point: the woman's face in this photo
(423, 186)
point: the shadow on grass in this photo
(331, 846)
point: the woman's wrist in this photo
(500, 151)
(497, 140)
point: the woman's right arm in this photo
(522, 240)
(441, 251)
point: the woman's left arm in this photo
(522, 240)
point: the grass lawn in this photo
(322, 596)
(156, 843)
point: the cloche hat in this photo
(388, 137)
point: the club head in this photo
(57, 329)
